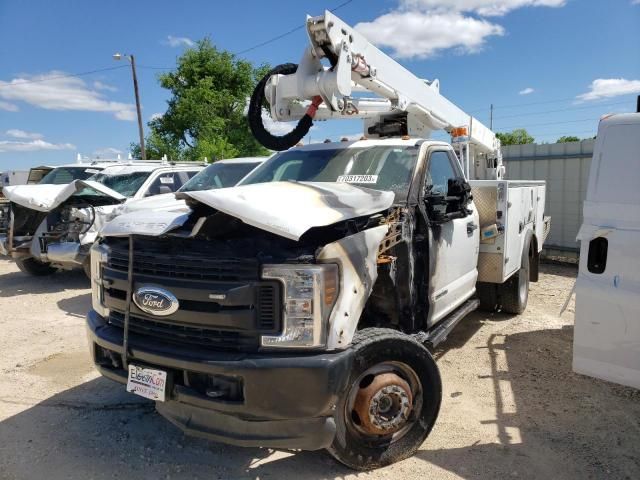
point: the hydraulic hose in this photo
(266, 138)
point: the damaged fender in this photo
(357, 257)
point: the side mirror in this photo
(444, 208)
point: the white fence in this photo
(565, 167)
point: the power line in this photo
(550, 123)
(46, 79)
(600, 105)
(282, 35)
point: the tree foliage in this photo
(206, 112)
(567, 138)
(518, 136)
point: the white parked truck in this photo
(53, 225)
(607, 324)
(297, 309)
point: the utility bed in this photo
(507, 209)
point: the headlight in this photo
(99, 257)
(310, 292)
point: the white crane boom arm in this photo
(403, 101)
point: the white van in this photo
(607, 323)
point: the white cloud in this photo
(9, 107)
(179, 41)
(15, 133)
(485, 8)
(33, 146)
(156, 116)
(107, 152)
(610, 87)
(98, 85)
(635, 2)
(526, 91)
(423, 34)
(68, 93)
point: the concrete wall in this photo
(565, 167)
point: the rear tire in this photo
(487, 293)
(391, 402)
(35, 267)
(514, 293)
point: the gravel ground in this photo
(512, 407)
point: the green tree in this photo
(205, 116)
(566, 139)
(518, 136)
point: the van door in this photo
(454, 245)
(607, 318)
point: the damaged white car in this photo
(52, 226)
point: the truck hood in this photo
(164, 201)
(288, 209)
(45, 198)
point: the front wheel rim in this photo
(384, 402)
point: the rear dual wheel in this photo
(391, 403)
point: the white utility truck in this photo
(297, 309)
(607, 323)
(53, 225)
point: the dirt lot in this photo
(512, 408)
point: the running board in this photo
(440, 332)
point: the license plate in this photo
(147, 382)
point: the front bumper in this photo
(287, 400)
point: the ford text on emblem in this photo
(156, 301)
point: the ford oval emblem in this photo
(156, 301)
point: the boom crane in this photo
(404, 104)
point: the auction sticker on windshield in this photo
(147, 382)
(357, 179)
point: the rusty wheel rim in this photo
(384, 402)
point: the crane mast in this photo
(403, 104)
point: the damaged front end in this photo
(266, 284)
(55, 224)
(317, 245)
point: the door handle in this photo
(471, 227)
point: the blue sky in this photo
(551, 66)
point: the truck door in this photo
(454, 244)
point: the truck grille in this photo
(162, 258)
(187, 335)
(224, 304)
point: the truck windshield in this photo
(125, 184)
(218, 175)
(64, 175)
(380, 167)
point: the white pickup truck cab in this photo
(53, 225)
(607, 320)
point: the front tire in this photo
(391, 403)
(35, 267)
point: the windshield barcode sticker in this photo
(91, 170)
(357, 179)
(166, 180)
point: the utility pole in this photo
(491, 118)
(132, 60)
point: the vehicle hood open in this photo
(45, 198)
(288, 209)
